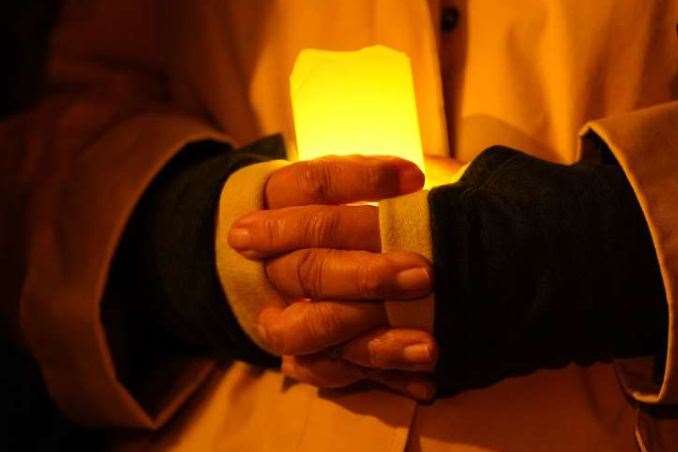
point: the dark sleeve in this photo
(539, 265)
(164, 296)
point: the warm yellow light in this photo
(358, 102)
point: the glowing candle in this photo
(359, 102)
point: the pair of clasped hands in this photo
(323, 256)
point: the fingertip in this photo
(414, 387)
(419, 353)
(412, 275)
(414, 282)
(420, 390)
(239, 238)
(269, 331)
(245, 236)
(410, 178)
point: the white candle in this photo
(359, 102)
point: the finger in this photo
(266, 233)
(321, 371)
(350, 275)
(324, 372)
(416, 386)
(393, 348)
(307, 327)
(340, 180)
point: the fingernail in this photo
(410, 178)
(239, 238)
(419, 391)
(414, 280)
(418, 354)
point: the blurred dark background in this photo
(24, 34)
(30, 421)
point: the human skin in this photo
(324, 257)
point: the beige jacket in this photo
(134, 81)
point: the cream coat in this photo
(134, 81)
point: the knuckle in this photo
(310, 272)
(322, 323)
(374, 355)
(378, 177)
(371, 280)
(322, 226)
(270, 232)
(315, 180)
(379, 353)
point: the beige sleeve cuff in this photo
(244, 281)
(405, 225)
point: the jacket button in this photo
(449, 19)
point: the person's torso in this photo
(523, 73)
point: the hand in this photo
(330, 252)
(322, 370)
